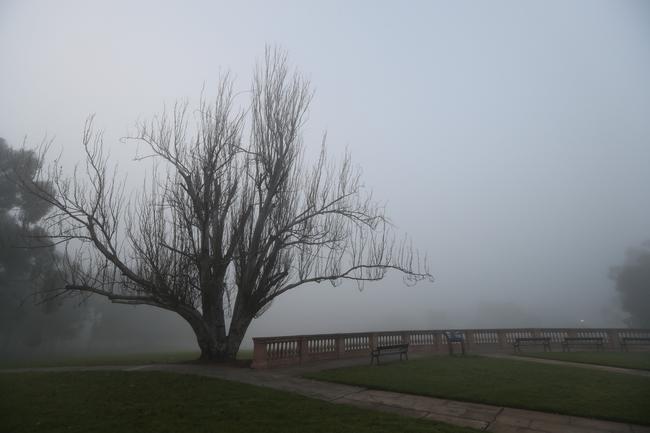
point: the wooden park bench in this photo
(582, 341)
(532, 341)
(389, 349)
(635, 341)
(455, 337)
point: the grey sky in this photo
(510, 139)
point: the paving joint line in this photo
(487, 426)
(425, 413)
(349, 393)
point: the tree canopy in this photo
(233, 216)
(27, 260)
(633, 285)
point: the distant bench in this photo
(532, 341)
(635, 341)
(455, 337)
(389, 349)
(582, 341)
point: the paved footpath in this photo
(479, 416)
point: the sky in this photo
(509, 139)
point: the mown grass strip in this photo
(109, 402)
(549, 388)
(633, 360)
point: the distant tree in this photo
(27, 260)
(633, 285)
(227, 223)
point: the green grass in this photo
(112, 359)
(634, 360)
(550, 388)
(98, 402)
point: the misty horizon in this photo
(510, 141)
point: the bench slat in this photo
(523, 341)
(402, 349)
(598, 341)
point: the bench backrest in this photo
(393, 346)
(455, 336)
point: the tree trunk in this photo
(211, 350)
(238, 327)
(217, 347)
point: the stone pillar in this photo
(437, 341)
(468, 339)
(340, 346)
(303, 349)
(613, 340)
(502, 342)
(260, 354)
(373, 341)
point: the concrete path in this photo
(479, 416)
(632, 371)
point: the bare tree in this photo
(226, 223)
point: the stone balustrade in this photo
(298, 349)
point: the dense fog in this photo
(509, 140)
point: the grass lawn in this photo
(635, 360)
(97, 402)
(112, 359)
(521, 384)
